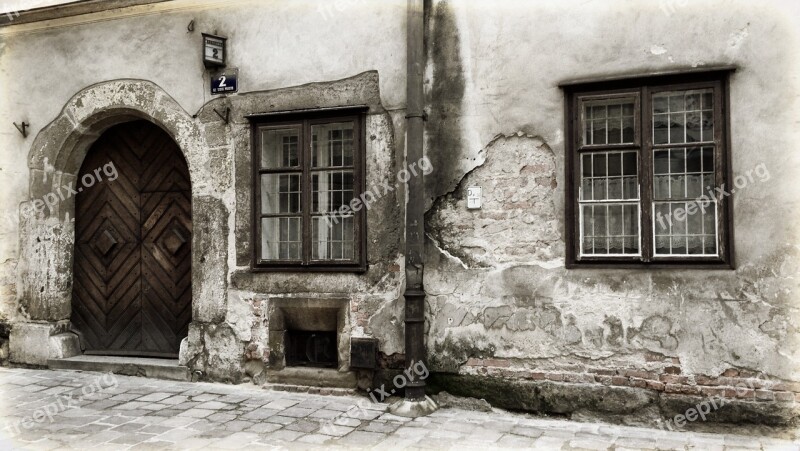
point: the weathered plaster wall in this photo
(501, 302)
(274, 44)
(135, 63)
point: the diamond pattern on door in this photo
(132, 263)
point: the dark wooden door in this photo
(132, 265)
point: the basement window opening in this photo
(311, 349)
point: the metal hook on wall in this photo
(191, 26)
(227, 114)
(23, 128)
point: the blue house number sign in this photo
(226, 83)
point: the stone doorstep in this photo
(313, 377)
(168, 369)
(312, 390)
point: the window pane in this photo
(685, 228)
(280, 193)
(609, 175)
(279, 148)
(683, 116)
(331, 190)
(333, 238)
(332, 145)
(608, 121)
(682, 173)
(281, 238)
(610, 229)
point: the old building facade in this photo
(632, 251)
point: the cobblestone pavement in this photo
(44, 409)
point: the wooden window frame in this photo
(643, 87)
(305, 119)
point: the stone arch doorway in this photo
(132, 290)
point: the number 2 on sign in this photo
(222, 81)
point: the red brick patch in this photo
(672, 379)
(765, 395)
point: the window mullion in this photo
(646, 177)
(305, 205)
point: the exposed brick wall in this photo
(732, 383)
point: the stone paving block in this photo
(285, 435)
(262, 428)
(104, 404)
(514, 441)
(154, 397)
(297, 412)
(527, 431)
(361, 439)
(385, 427)
(335, 431)
(215, 405)
(155, 407)
(305, 426)
(152, 446)
(205, 397)
(102, 437)
(126, 396)
(550, 443)
(316, 439)
(186, 405)
(131, 405)
(325, 414)
(236, 425)
(259, 414)
(167, 413)
(390, 417)
(280, 419)
(590, 444)
(175, 400)
(484, 435)
(280, 404)
(345, 421)
(196, 413)
(233, 399)
(221, 417)
(177, 435)
(128, 427)
(237, 441)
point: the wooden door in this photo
(132, 264)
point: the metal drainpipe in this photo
(415, 205)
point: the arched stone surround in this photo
(47, 235)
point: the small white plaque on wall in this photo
(473, 197)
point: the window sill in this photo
(352, 268)
(627, 264)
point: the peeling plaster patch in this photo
(517, 222)
(656, 49)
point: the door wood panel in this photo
(132, 261)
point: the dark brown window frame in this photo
(643, 87)
(305, 119)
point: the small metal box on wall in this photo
(214, 51)
(363, 353)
